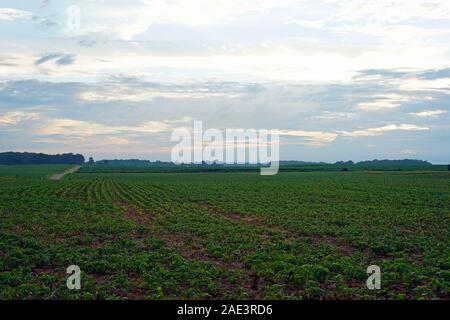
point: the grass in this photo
(297, 235)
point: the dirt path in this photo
(59, 176)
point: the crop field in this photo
(32, 171)
(239, 235)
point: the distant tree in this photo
(448, 167)
(408, 162)
(345, 162)
(91, 160)
(10, 158)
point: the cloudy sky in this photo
(347, 79)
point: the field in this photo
(32, 171)
(296, 235)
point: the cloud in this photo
(428, 113)
(59, 58)
(79, 128)
(312, 138)
(435, 74)
(66, 59)
(371, 132)
(254, 42)
(416, 84)
(87, 43)
(46, 57)
(407, 80)
(378, 105)
(12, 118)
(384, 101)
(355, 16)
(10, 14)
(45, 22)
(432, 74)
(136, 18)
(133, 89)
(311, 118)
(8, 61)
(334, 115)
(317, 70)
(385, 73)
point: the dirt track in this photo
(59, 176)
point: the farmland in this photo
(223, 235)
(32, 171)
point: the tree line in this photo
(10, 158)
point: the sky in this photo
(341, 79)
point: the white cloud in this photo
(132, 20)
(145, 94)
(98, 142)
(378, 105)
(371, 132)
(12, 118)
(428, 113)
(414, 84)
(74, 129)
(334, 115)
(285, 54)
(392, 11)
(312, 138)
(174, 47)
(368, 16)
(10, 14)
(71, 127)
(381, 102)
